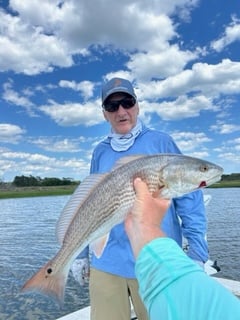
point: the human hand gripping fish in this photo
(143, 221)
(104, 200)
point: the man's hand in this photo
(80, 270)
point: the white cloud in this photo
(198, 154)
(230, 35)
(233, 160)
(84, 87)
(10, 133)
(94, 23)
(26, 49)
(181, 108)
(59, 144)
(232, 145)
(64, 145)
(159, 64)
(17, 99)
(39, 37)
(74, 114)
(225, 128)
(189, 141)
(40, 165)
(48, 14)
(210, 80)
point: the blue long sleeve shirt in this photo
(117, 257)
(173, 287)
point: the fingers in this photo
(141, 188)
(146, 202)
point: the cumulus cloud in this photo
(189, 141)
(18, 99)
(159, 64)
(59, 144)
(74, 114)
(210, 80)
(36, 38)
(181, 108)
(63, 145)
(41, 165)
(231, 34)
(86, 88)
(10, 133)
(27, 49)
(225, 128)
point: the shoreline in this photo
(26, 192)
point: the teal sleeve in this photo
(173, 287)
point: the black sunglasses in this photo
(126, 103)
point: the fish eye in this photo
(49, 270)
(204, 168)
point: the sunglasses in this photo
(126, 103)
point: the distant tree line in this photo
(30, 181)
(231, 177)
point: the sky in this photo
(182, 56)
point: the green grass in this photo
(37, 191)
(226, 184)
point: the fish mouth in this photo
(202, 184)
(214, 179)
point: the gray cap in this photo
(117, 85)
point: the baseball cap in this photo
(117, 85)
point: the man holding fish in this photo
(95, 213)
(112, 275)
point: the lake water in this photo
(27, 241)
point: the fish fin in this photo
(120, 162)
(99, 245)
(74, 203)
(51, 284)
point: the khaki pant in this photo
(109, 297)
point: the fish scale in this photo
(102, 201)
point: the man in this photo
(112, 276)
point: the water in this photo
(27, 241)
(224, 230)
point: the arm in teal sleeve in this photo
(173, 287)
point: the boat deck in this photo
(84, 314)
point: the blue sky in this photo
(182, 56)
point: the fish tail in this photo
(48, 282)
